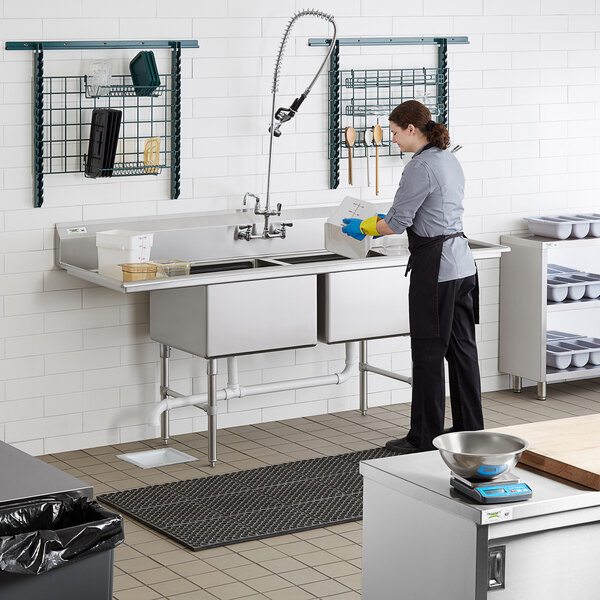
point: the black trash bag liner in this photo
(47, 534)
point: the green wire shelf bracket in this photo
(176, 120)
(357, 94)
(38, 128)
(62, 107)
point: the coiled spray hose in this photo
(285, 114)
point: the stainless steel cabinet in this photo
(421, 540)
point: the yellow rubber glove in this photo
(369, 226)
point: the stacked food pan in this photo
(561, 227)
(564, 350)
(564, 283)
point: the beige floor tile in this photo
(231, 591)
(138, 593)
(212, 579)
(229, 561)
(133, 565)
(291, 593)
(195, 595)
(338, 569)
(246, 572)
(174, 587)
(268, 583)
(157, 575)
(306, 575)
(327, 587)
(124, 582)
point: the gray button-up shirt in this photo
(430, 200)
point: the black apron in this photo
(424, 262)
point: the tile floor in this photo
(322, 563)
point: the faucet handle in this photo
(278, 208)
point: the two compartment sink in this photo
(257, 263)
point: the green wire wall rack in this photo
(62, 112)
(360, 97)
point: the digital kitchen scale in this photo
(506, 488)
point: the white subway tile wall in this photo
(77, 367)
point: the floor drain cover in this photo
(161, 457)
(249, 505)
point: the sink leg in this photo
(517, 384)
(541, 390)
(165, 353)
(211, 371)
(363, 375)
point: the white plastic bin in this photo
(119, 246)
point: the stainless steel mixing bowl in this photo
(482, 455)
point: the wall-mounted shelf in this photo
(63, 108)
(360, 98)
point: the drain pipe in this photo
(234, 390)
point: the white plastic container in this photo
(336, 240)
(118, 246)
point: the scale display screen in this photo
(490, 493)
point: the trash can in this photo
(58, 549)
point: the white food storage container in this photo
(336, 240)
(118, 246)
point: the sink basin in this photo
(309, 258)
(253, 263)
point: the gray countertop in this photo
(24, 477)
(426, 476)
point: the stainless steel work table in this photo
(422, 540)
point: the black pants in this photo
(457, 344)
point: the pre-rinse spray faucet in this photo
(282, 115)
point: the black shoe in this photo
(402, 445)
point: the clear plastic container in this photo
(170, 267)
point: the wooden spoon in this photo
(377, 137)
(368, 144)
(350, 135)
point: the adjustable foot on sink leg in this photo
(541, 390)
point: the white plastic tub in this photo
(118, 246)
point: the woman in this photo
(443, 293)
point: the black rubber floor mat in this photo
(249, 505)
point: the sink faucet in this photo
(246, 232)
(282, 115)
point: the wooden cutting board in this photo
(567, 448)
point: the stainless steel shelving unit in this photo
(526, 315)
